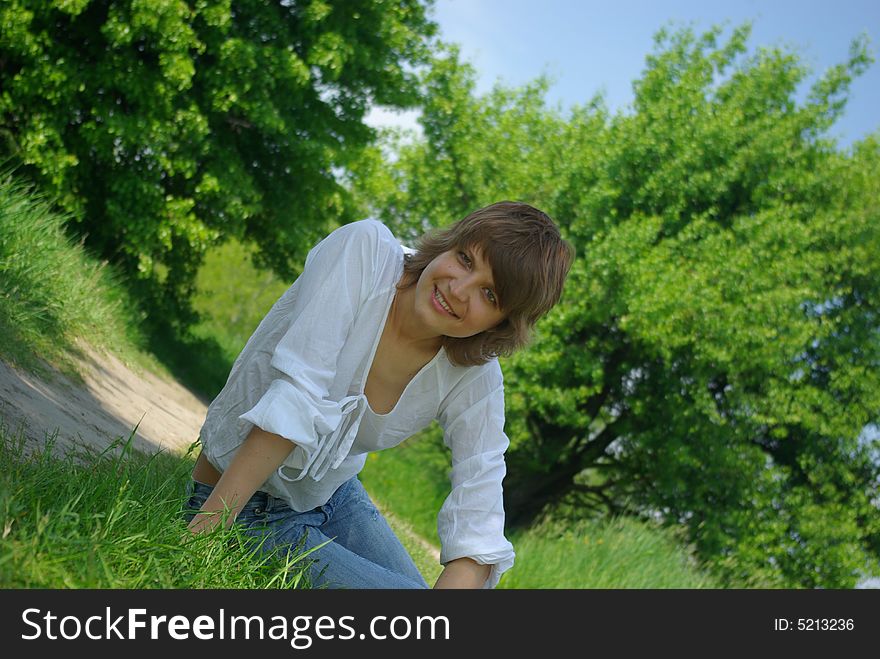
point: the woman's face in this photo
(455, 294)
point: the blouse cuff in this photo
(322, 430)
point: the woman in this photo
(371, 344)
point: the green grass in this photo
(616, 553)
(411, 480)
(52, 292)
(113, 520)
(232, 296)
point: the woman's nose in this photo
(458, 289)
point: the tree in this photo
(714, 362)
(474, 152)
(167, 126)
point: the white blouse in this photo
(302, 376)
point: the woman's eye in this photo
(465, 259)
(491, 297)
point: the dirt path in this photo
(112, 400)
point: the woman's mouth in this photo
(441, 302)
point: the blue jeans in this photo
(364, 552)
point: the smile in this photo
(438, 297)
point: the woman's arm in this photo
(463, 573)
(260, 454)
(471, 520)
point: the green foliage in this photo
(167, 126)
(714, 359)
(476, 151)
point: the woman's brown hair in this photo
(529, 259)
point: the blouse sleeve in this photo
(471, 520)
(337, 276)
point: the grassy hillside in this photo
(52, 292)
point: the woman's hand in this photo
(261, 453)
(463, 573)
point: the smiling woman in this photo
(371, 344)
(453, 297)
(522, 260)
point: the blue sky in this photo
(590, 46)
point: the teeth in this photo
(442, 302)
